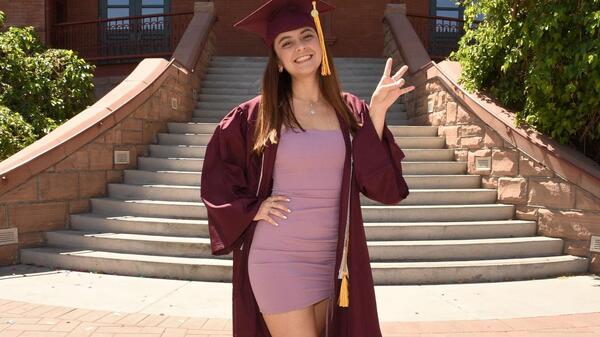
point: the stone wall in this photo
(45, 201)
(561, 208)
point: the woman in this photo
(286, 202)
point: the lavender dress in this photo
(292, 266)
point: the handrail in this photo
(570, 165)
(98, 118)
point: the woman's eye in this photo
(285, 44)
(307, 36)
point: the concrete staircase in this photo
(449, 229)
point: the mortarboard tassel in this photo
(325, 64)
(343, 300)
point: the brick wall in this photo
(26, 13)
(356, 25)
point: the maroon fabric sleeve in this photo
(377, 163)
(230, 205)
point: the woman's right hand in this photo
(272, 205)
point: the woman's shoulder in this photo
(356, 104)
(242, 114)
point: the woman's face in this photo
(292, 46)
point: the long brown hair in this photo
(275, 107)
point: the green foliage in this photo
(15, 133)
(540, 58)
(46, 87)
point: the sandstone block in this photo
(38, 216)
(25, 192)
(79, 160)
(8, 254)
(101, 157)
(586, 201)
(524, 212)
(571, 225)
(92, 184)
(79, 206)
(451, 110)
(58, 186)
(471, 142)
(551, 193)
(512, 190)
(529, 167)
(504, 162)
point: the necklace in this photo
(311, 105)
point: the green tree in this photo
(46, 87)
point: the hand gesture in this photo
(389, 88)
(272, 205)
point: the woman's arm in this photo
(377, 161)
(230, 205)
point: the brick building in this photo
(354, 29)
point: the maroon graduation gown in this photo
(235, 182)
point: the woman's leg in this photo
(295, 323)
(320, 310)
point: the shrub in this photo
(540, 58)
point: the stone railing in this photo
(547, 182)
(57, 175)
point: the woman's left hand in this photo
(389, 88)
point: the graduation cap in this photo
(278, 16)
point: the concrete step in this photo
(138, 265)
(364, 94)
(258, 70)
(141, 177)
(195, 165)
(399, 122)
(379, 213)
(374, 231)
(192, 193)
(255, 85)
(413, 142)
(229, 104)
(449, 230)
(379, 251)
(170, 164)
(475, 271)
(373, 78)
(160, 245)
(392, 116)
(264, 59)
(397, 130)
(199, 151)
(139, 225)
(199, 269)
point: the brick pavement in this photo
(24, 319)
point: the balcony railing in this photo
(439, 34)
(122, 38)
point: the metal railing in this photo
(439, 34)
(122, 38)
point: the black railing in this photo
(121, 38)
(439, 34)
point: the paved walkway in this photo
(41, 302)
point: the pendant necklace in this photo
(311, 108)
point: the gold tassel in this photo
(344, 300)
(325, 63)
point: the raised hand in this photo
(389, 88)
